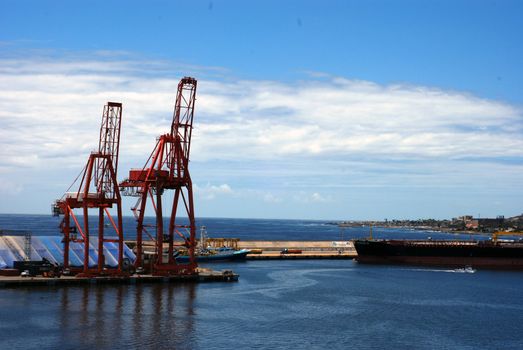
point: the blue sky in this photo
(324, 110)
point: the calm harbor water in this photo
(314, 304)
(277, 304)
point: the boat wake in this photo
(467, 269)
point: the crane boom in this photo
(108, 145)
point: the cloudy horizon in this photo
(322, 146)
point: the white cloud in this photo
(271, 198)
(58, 104)
(315, 197)
(209, 192)
(9, 188)
(272, 119)
(317, 131)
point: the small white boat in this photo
(466, 269)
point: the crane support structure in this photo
(98, 189)
(168, 169)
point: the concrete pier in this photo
(205, 275)
(309, 249)
(271, 250)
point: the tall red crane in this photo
(168, 169)
(98, 189)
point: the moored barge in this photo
(478, 254)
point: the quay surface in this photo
(271, 250)
(205, 275)
(309, 249)
(303, 256)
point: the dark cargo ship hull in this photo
(479, 254)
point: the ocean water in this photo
(315, 304)
(245, 229)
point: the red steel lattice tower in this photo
(98, 189)
(168, 169)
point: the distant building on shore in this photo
(486, 224)
(478, 224)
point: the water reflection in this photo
(130, 316)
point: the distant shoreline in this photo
(417, 228)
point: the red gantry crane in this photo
(167, 169)
(98, 189)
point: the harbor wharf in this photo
(276, 250)
(204, 275)
(268, 250)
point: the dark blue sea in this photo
(315, 304)
(245, 229)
